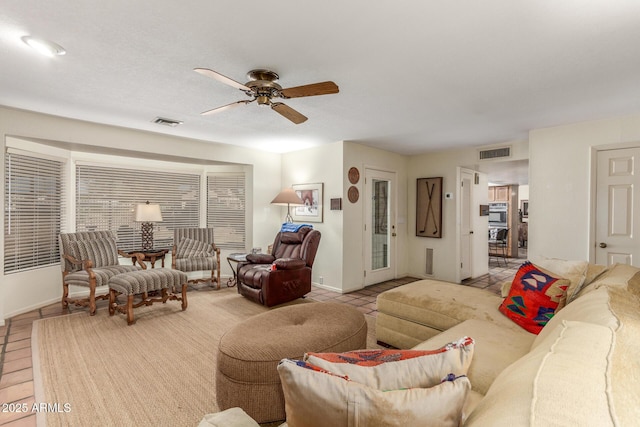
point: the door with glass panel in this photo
(380, 226)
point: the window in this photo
(33, 211)
(226, 209)
(106, 198)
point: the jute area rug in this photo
(96, 370)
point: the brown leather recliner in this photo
(285, 273)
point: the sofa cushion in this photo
(316, 397)
(388, 369)
(440, 305)
(618, 275)
(592, 308)
(569, 370)
(534, 296)
(495, 348)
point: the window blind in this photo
(226, 195)
(106, 198)
(33, 211)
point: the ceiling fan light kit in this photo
(262, 88)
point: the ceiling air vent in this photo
(494, 153)
(167, 122)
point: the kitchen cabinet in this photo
(499, 193)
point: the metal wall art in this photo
(429, 207)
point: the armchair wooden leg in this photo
(65, 296)
(92, 300)
(184, 297)
(112, 302)
(130, 319)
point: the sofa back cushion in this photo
(592, 308)
(577, 372)
(563, 382)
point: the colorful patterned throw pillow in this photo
(387, 369)
(534, 296)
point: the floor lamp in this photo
(286, 198)
(147, 214)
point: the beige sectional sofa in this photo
(583, 368)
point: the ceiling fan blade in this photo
(219, 77)
(288, 113)
(225, 107)
(323, 88)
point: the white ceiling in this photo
(414, 76)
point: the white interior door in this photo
(466, 227)
(380, 226)
(617, 198)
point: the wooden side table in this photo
(150, 256)
(235, 258)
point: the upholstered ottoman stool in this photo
(249, 353)
(142, 282)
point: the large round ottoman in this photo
(249, 353)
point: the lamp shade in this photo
(287, 197)
(146, 212)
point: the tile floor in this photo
(16, 373)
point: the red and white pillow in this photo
(534, 297)
(410, 385)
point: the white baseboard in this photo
(329, 288)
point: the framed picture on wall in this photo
(429, 207)
(524, 208)
(311, 195)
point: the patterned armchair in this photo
(194, 250)
(89, 259)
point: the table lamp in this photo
(286, 198)
(147, 214)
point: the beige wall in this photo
(446, 257)
(22, 292)
(363, 157)
(561, 195)
(321, 164)
(340, 259)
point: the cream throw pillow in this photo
(232, 417)
(574, 271)
(316, 398)
(425, 368)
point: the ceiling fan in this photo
(262, 88)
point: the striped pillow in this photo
(102, 252)
(189, 248)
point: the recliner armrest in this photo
(260, 258)
(289, 263)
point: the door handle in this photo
(603, 245)
(471, 232)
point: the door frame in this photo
(366, 219)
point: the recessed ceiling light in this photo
(44, 47)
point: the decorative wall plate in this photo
(353, 194)
(354, 175)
